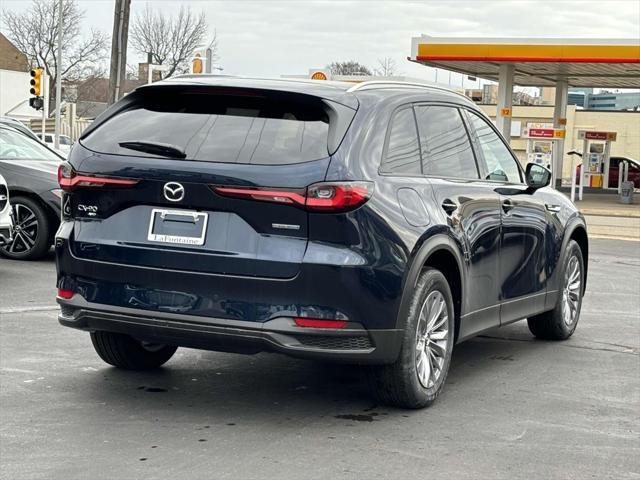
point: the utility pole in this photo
(119, 41)
(58, 78)
(45, 103)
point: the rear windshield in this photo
(234, 126)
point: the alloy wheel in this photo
(572, 291)
(431, 339)
(25, 230)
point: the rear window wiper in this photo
(163, 149)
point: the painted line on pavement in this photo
(42, 308)
(614, 237)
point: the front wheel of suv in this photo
(123, 351)
(561, 322)
(417, 377)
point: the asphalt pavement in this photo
(513, 407)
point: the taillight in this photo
(296, 197)
(319, 197)
(319, 323)
(331, 197)
(68, 179)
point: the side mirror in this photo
(537, 176)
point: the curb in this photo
(607, 213)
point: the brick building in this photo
(11, 58)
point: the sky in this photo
(275, 37)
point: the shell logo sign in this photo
(196, 64)
(318, 75)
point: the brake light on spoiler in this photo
(319, 197)
(68, 179)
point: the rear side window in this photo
(402, 154)
(229, 126)
(445, 145)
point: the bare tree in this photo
(350, 67)
(35, 33)
(171, 40)
(386, 67)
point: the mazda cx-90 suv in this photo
(377, 224)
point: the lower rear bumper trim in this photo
(353, 344)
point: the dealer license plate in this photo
(181, 227)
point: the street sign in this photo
(505, 112)
(559, 133)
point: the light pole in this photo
(58, 77)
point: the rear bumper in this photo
(352, 344)
(367, 293)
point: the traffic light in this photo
(36, 102)
(36, 82)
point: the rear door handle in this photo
(449, 206)
(507, 205)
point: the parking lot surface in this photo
(513, 407)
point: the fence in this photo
(70, 124)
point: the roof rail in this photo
(388, 83)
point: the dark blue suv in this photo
(377, 224)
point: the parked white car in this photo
(6, 222)
(65, 143)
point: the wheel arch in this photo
(442, 253)
(578, 232)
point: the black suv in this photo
(377, 224)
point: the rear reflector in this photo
(319, 197)
(66, 294)
(319, 323)
(68, 179)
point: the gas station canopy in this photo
(606, 63)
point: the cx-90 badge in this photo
(173, 191)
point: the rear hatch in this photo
(203, 179)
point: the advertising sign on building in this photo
(593, 135)
(541, 132)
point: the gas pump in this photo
(540, 138)
(595, 163)
(596, 149)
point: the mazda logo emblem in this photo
(173, 191)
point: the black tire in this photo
(31, 241)
(123, 351)
(398, 384)
(552, 325)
